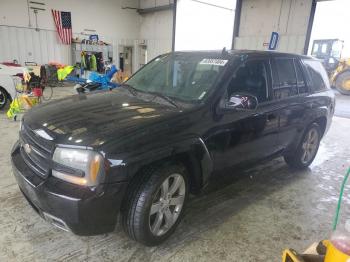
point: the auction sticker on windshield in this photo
(210, 61)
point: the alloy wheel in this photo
(309, 145)
(167, 204)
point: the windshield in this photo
(186, 77)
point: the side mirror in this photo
(239, 102)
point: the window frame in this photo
(310, 81)
(266, 62)
(298, 61)
(196, 102)
(274, 71)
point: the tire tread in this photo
(141, 187)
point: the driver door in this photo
(245, 136)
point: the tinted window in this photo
(181, 76)
(324, 48)
(284, 78)
(315, 49)
(250, 78)
(202, 71)
(300, 78)
(317, 74)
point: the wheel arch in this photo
(322, 122)
(192, 153)
(6, 82)
(7, 92)
(319, 118)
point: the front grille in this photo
(36, 151)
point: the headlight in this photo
(89, 163)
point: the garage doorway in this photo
(125, 59)
(331, 22)
(143, 59)
(330, 38)
(204, 24)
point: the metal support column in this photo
(309, 26)
(237, 22)
(174, 26)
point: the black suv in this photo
(140, 149)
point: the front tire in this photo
(155, 204)
(4, 98)
(307, 149)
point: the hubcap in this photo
(309, 146)
(167, 204)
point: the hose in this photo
(339, 200)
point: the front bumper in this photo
(80, 210)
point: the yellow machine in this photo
(338, 68)
(337, 248)
(340, 77)
(325, 251)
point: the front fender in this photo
(7, 83)
(127, 165)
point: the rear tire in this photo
(155, 202)
(307, 149)
(4, 98)
(342, 83)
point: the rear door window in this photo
(284, 78)
(317, 74)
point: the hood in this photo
(96, 119)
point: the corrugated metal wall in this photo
(157, 36)
(287, 43)
(28, 45)
(259, 18)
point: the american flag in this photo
(63, 24)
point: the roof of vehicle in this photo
(256, 53)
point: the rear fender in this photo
(310, 117)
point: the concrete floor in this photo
(250, 216)
(342, 108)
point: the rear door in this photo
(288, 84)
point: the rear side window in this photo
(300, 77)
(317, 74)
(284, 78)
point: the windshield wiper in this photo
(134, 92)
(130, 88)
(166, 98)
